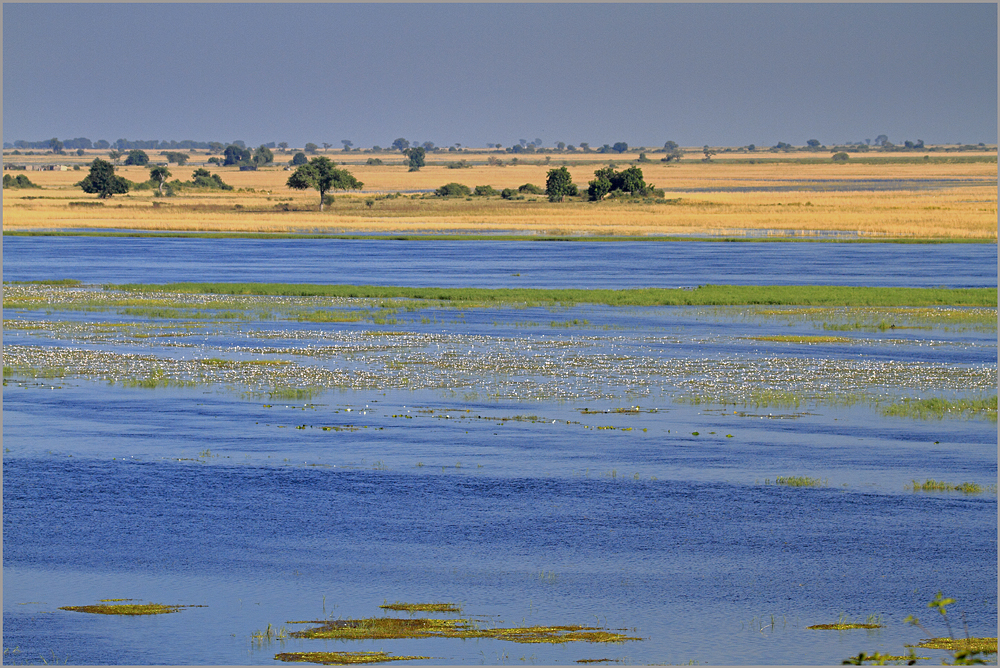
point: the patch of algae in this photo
(984, 645)
(422, 607)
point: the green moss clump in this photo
(798, 481)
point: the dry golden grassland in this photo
(257, 204)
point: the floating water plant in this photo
(981, 645)
(387, 628)
(940, 407)
(939, 486)
(871, 622)
(130, 609)
(421, 607)
(798, 481)
(343, 658)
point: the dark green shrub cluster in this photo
(530, 189)
(19, 181)
(484, 191)
(453, 190)
(609, 181)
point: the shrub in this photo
(453, 190)
(374, 161)
(841, 157)
(484, 191)
(508, 193)
(530, 189)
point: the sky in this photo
(473, 74)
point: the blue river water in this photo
(508, 264)
(663, 521)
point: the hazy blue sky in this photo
(720, 74)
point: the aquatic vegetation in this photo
(873, 621)
(343, 658)
(939, 486)
(799, 481)
(980, 645)
(385, 628)
(130, 609)
(941, 407)
(705, 294)
(421, 607)
(799, 339)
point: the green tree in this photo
(401, 145)
(283, 145)
(841, 157)
(311, 148)
(102, 180)
(416, 157)
(235, 155)
(299, 159)
(262, 155)
(559, 184)
(176, 156)
(137, 157)
(620, 147)
(321, 174)
(55, 145)
(813, 143)
(160, 174)
(347, 144)
(115, 155)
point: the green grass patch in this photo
(128, 609)
(390, 628)
(799, 339)
(842, 624)
(939, 408)
(798, 481)
(706, 295)
(940, 486)
(983, 645)
(343, 658)
(421, 607)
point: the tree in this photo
(599, 188)
(709, 152)
(561, 145)
(585, 146)
(813, 143)
(326, 146)
(559, 184)
(453, 190)
(609, 181)
(175, 156)
(102, 180)
(299, 159)
(841, 157)
(670, 146)
(137, 157)
(55, 145)
(283, 145)
(115, 155)
(311, 148)
(160, 174)
(428, 146)
(401, 145)
(321, 174)
(416, 157)
(620, 147)
(262, 155)
(881, 140)
(347, 144)
(236, 155)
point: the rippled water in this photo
(499, 263)
(537, 466)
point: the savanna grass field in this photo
(902, 196)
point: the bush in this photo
(840, 157)
(508, 193)
(374, 161)
(530, 189)
(453, 190)
(137, 157)
(19, 181)
(484, 191)
(461, 164)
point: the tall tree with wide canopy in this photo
(161, 174)
(102, 180)
(321, 174)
